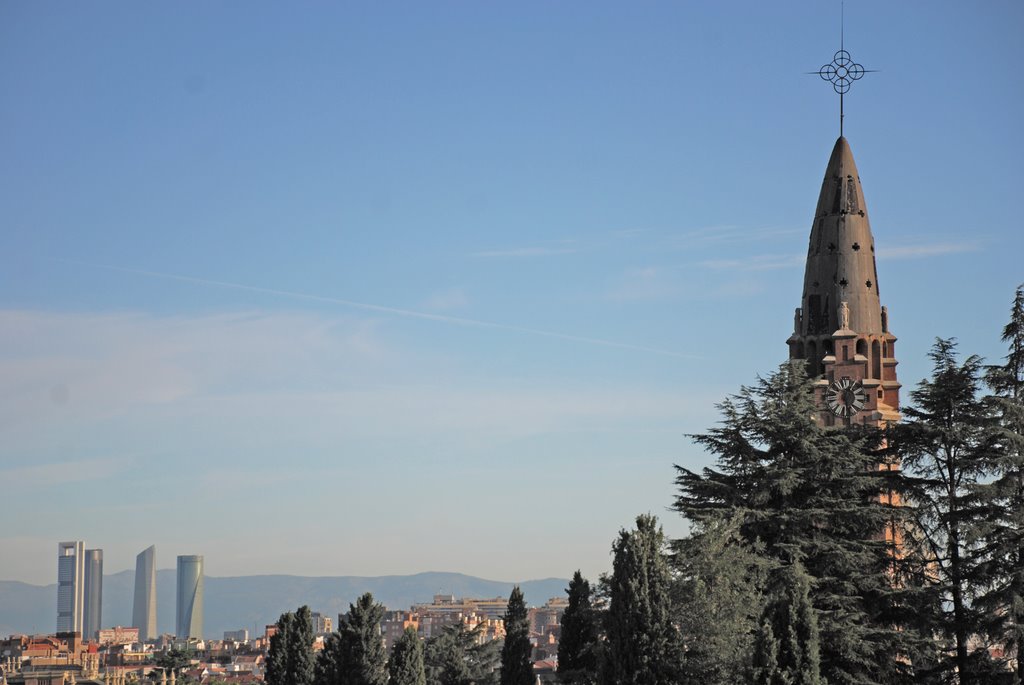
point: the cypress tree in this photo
(364, 659)
(300, 648)
(578, 641)
(290, 657)
(516, 664)
(355, 654)
(643, 645)
(787, 648)
(327, 670)
(719, 592)
(406, 664)
(276, 672)
(460, 657)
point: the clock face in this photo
(845, 397)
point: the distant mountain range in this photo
(254, 601)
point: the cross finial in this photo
(842, 71)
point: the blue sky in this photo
(376, 288)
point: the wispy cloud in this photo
(446, 300)
(78, 471)
(729, 234)
(646, 283)
(760, 262)
(526, 252)
(924, 250)
(396, 311)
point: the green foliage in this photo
(719, 593)
(406, 664)
(300, 648)
(787, 648)
(643, 645)
(364, 657)
(578, 642)
(174, 659)
(949, 442)
(459, 657)
(276, 672)
(327, 669)
(516, 664)
(290, 658)
(789, 490)
(1001, 529)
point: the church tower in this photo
(841, 329)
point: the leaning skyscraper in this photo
(190, 597)
(144, 608)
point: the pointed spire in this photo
(841, 254)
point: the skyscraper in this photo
(92, 617)
(144, 607)
(70, 581)
(190, 597)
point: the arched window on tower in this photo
(862, 347)
(812, 358)
(876, 360)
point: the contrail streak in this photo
(397, 311)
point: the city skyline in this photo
(452, 284)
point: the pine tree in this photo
(356, 654)
(516, 664)
(793, 490)
(787, 647)
(948, 441)
(643, 645)
(1002, 528)
(578, 640)
(406, 664)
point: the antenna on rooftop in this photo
(842, 71)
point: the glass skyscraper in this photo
(92, 616)
(190, 597)
(70, 582)
(144, 607)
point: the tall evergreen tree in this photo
(796, 491)
(406, 664)
(356, 656)
(327, 669)
(300, 648)
(719, 593)
(786, 651)
(276, 672)
(1002, 529)
(578, 640)
(516, 664)
(948, 441)
(290, 657)
(461, 657)
(643, 644)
